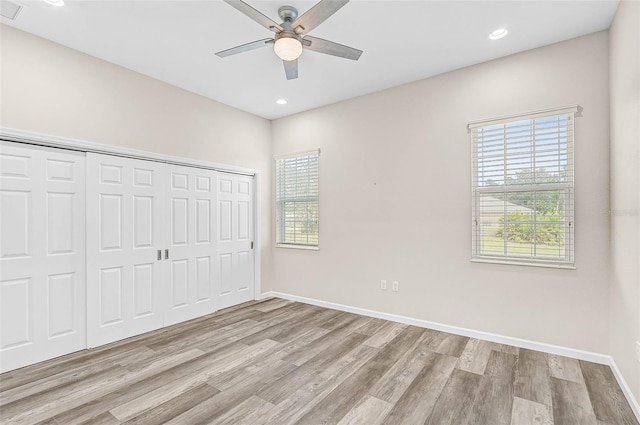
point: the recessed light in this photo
(498, 34)
(55, 2)
(281, 102)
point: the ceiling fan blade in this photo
(255, 15)
(291, 69)
(330, 48)
(317, 15)
(245, 47)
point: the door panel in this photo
(179, 283)
(61, 223)
(16, 313)
(143, 222)
(61, 301)
(142, 290)
(203, 217)
(15, 207)
(180, 221)
(42, 254)
(203, 279)
(110, 284)
(191, 281)
(235, 230)
(125, 218)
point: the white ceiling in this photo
(403, 41)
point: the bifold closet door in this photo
(235, 239)
(42, 261)
(191, 269)
(125, 292)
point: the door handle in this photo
(166, 254)
(159, 254)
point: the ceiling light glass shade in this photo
(498, 34)
(55, 2)
(288, 48)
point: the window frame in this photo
(280, 229)
(568, 187)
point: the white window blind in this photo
(522, 188)
(297, 197)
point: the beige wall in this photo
(51, 89)
(396, 205)
(625, 187)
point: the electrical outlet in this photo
(383, 285)
(395, 286)
(638, 351)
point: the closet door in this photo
(191, 271)
(125, 291)
(235, 239)
(42, 263)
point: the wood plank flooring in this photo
(275, 362)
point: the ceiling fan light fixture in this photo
(288, 42)
(288, 48)
(498, 34)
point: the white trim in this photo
(513, 262)
(294, 246)
(293, 155)
(20, 136)
(570, 109)
(635, 405)
(486, 336)
(257, 236)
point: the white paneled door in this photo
(125, 244)
(235, 239)
(98, 248)
(42, 274)
(191, 269)
(152, 246)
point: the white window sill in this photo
(305, 247)
(513, 262)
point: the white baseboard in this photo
(486, 336)
(625, 388)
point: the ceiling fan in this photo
(291, 36)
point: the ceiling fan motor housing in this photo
(288, 13)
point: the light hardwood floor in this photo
(276, 362)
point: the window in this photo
(522, 189)
(297, 200)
